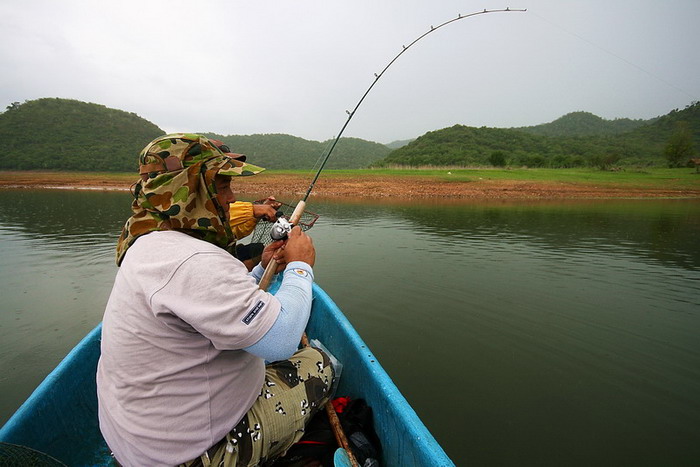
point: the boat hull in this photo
(60, 417)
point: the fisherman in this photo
(182, 378)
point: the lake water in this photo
(542, 333)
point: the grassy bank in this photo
(633, 178)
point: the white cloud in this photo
(295, 67)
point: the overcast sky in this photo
(296, 66)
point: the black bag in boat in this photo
(319, 444)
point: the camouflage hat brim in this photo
(177, 151)
(236, 168)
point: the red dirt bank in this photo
(395, 187)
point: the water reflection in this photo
(57, 250)
(536, 333)
(534, 329)
(662, 231)
(62, 216)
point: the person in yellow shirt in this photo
(244, 216)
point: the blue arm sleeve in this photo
(257, 272)
(295, 295)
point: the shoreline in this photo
(371, 187)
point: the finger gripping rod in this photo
(272, 265)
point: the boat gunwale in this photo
(385, 398)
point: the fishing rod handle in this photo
(269, 273)
(298, 211)
(267, 276)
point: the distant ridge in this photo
(279, 151)
(584, 124)
(400, 143)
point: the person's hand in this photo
(272, 202)
(266, 211)
(269, 252)
(298, 247)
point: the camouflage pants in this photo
(293, 391)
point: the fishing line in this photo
(379, 75)
(320, 158)
(613, 54)
(283, 226)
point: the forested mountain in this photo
(277, 151)
(72, 135)
(584, 124)
(464, 146)
(63, 134)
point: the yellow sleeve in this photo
(242, 220)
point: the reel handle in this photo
(269, 273)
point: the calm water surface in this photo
(544, 333)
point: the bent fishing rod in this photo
(283, 226)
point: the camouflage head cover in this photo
(223, 147)
(177, 190)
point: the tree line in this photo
(669, 140)
(279, 151)
(64, 134)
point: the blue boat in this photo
(60, 417)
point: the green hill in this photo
(584, 124)
(277, 151)
(602, 146)
(466, 146)
(65, 134)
